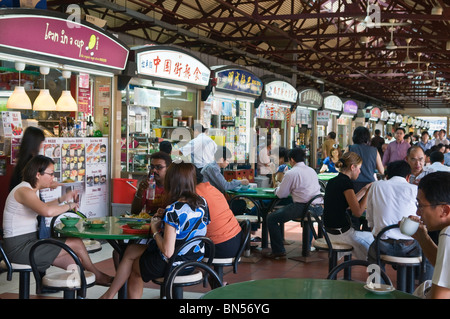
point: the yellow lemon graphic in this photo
(92, 42)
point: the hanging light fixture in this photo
(19, 98)
(44, 101)
(66, 103)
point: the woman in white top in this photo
(20, 224)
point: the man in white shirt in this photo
(202, 148)
(302, 183)
(442, 138)
(433, 207)
(437, 162)
(388, 202)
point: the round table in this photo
(300, 288)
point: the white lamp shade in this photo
(19, 99)
(44, 102)
(66, 103)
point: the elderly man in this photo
(396, 151)
(302, 183)
(433, 207)
(416, 160)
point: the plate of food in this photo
(379, 288)
(141, 217)
(143, 229)
(96, 223)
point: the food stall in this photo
(227, 111)
(159, 102)
(69, 70)
(344, 133)
(279, 97)
(304, 123)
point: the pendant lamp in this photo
(44, 101)
(66, 103)
(19, 99)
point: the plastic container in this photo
(123, 190)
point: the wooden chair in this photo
(169, 283)
(405, 266)
(219, 263)
(180, 281)
(92, 246)
(23, 270)
(73, 283)
(325, 243)
(347, 265)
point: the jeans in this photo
(282, 215)
(360, 240)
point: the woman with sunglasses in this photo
(20, 224)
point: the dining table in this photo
(115, 231)
(267, 199)
(301, 288)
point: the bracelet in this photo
(154, 234)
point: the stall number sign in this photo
(280, 90)
(172, 65)
(323, 116)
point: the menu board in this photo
(80, 164)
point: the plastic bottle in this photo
(151, 188)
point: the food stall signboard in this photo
(60, 38)
(375, 114)
(384, 115)
(172, 65)
(280, 90)
(350, 107)
(310, 98)
(239, 81)
(333, 103)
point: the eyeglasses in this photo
(51, 174)
(421, 207)
(157, 167)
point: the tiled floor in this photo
(264, 268)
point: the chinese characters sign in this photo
(239, 81)
(310, 97)
(172, 65)
(280, 90)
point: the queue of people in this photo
(190, 200)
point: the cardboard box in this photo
(240, 174)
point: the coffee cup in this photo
(408, 226)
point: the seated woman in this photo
(185, 218)
(329, 163)
(339, 195)
(20, 224)
(224, 229)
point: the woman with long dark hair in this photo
(20, 226)
(30, 146)
(184, 218)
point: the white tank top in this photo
(17, 218)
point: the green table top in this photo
(326, 176)
(111, 230)
(300, 288)
(259, 193)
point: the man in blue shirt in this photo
(425, 142)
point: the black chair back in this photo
(37, 274)
(9, 268)
(355, 262)
(168, 283)
(55, 218)
(245, 238)
(238, 205)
